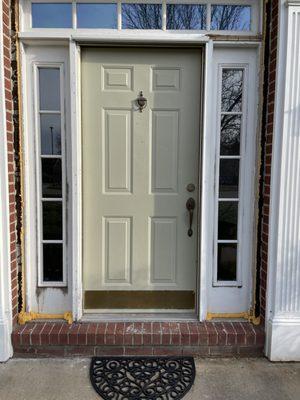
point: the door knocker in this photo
(141, 101)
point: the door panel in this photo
(136, 168)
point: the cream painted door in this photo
(136, 168)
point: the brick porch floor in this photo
(56, 339)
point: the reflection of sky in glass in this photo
(50, 134)
(51, 15)
(141, 16)
(97, 15)
(49, 80)
(186, 16)
(235, 18)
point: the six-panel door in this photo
(136, 169)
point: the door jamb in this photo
(76, 144)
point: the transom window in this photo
(130, 14)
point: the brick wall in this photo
(11, 152)
(267, 139)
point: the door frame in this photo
(75, 73)
(72, 45)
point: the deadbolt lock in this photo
(190, 187)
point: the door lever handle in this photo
(190, 206)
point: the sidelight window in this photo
(229, 167)
(156, 14)
(51, 182)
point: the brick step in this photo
(57, 339)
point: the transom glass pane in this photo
(50, 134)
(234, 18)
(232, 90)
(51, 15)
(49, 85)
(227, 258)
(186, 16)
(93, 15)
(141, 16)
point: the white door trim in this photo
(76, 170)
(5, 267)
(75, 85)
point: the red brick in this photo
(110, 334)
(100, 333)
(91, 334)
(36, 334)
(167, 351)
(82, 334)
(138, 351)
(73, 334)
(147, 333)
(109, 351)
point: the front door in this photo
(140, 167)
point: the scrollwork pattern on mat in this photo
(141, 378)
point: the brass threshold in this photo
(24, 317)
(248, 315)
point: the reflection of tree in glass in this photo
(230, 134)
(186, 16)
(232, 90)
(141, 16)
(231, 17)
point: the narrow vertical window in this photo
(231, 117)
(51, 185)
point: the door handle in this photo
(190, 206)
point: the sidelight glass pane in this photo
(228, 219)
(229, 179)
(231, 17)
(186, 16)
(230, 135)
(227, 262)
(51, 178)
(52, 262)
(52, 220)
(51, 15)
(232, 90)
(50, 134)
(141, 16)
(49, 85)
(94, 15)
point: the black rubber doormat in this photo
(141, 378)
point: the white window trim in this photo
(241, 212)
(256, 18)
(62, 156)
(55, 299)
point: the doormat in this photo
(139, 378)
